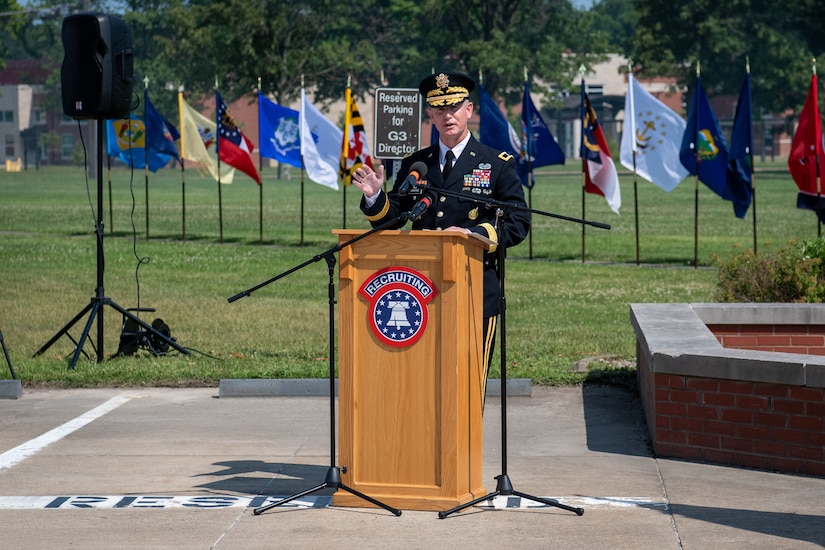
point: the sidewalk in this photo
(181, 468)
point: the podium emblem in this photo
(398, 298)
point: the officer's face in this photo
(451, 121)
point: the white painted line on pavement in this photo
(81, 502)
(25, 450)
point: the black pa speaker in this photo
(97, 70)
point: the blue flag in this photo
(740, 159)
(280, 135)
(496, 130)
(126, 140)
(703, 139)
(160, 135)
(538, 146)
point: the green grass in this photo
(561, 311)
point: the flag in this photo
(197, 142)
(233, 147)
(320, 144)
(127, 140)
(280, 134)
(160, 135)
(496, 130)
(355, 150)
(807, 155)
(600, 173)
(653, 131)
(740, 156)
(703, 140)
(538, 146)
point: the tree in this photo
(779, 39)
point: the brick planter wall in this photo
(756, 405)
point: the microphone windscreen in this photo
(418, 168)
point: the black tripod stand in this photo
(6, 354)
(503, 483)
(333, 477)
(95, 307)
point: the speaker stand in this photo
(95, 307)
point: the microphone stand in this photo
(503, 484)
(333, 476)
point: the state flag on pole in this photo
(496, 130)
(355, 150)
(806, 161)
(653, 131)
(280, 134)
(600, 173)
(197, 142)
(320, 144)
(234, 148)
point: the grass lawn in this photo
(562, 312)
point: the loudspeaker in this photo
(97, 70)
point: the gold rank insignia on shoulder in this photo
(505, 156)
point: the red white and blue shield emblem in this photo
(398, 298)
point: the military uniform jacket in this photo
(480, 172)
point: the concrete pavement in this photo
(182, 468)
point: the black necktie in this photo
(448, 164)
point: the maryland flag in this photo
(355, 151)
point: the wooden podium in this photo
(410, 370)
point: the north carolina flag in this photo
(234, 148)
(600, 173)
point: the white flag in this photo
(197, 142)
(320, 144)
(654, 132)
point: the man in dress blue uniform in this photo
(459, 163)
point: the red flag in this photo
(807, 153)
(234, 148)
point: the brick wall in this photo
(807, 339)
(757, 400)
(767, 426)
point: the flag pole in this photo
(696, 178)
(146, 150)
(261, 170)
(303, 165)
(750, 158)
(529, 175)
(182, 164)
(817, 142)
(345, 149)
(583, 159)
(109, 177)
(218, 157)
(631, 117)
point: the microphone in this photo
(420, 207)
(417, 171)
